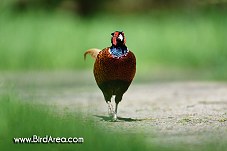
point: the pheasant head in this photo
(118, 39)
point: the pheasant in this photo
(114, 70)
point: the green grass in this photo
(53, 41)
(23, 119)
(18, 119)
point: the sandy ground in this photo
(168, 113)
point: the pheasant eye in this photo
(120, 37)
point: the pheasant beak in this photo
(120, 37)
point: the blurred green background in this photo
(167, 36)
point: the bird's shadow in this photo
(119, 119)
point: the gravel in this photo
(189, 113)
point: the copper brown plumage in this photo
(114, 69)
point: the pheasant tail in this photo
(93, 52)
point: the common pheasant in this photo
(114, 70)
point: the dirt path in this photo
(171, 113)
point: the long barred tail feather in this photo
(93, 52)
